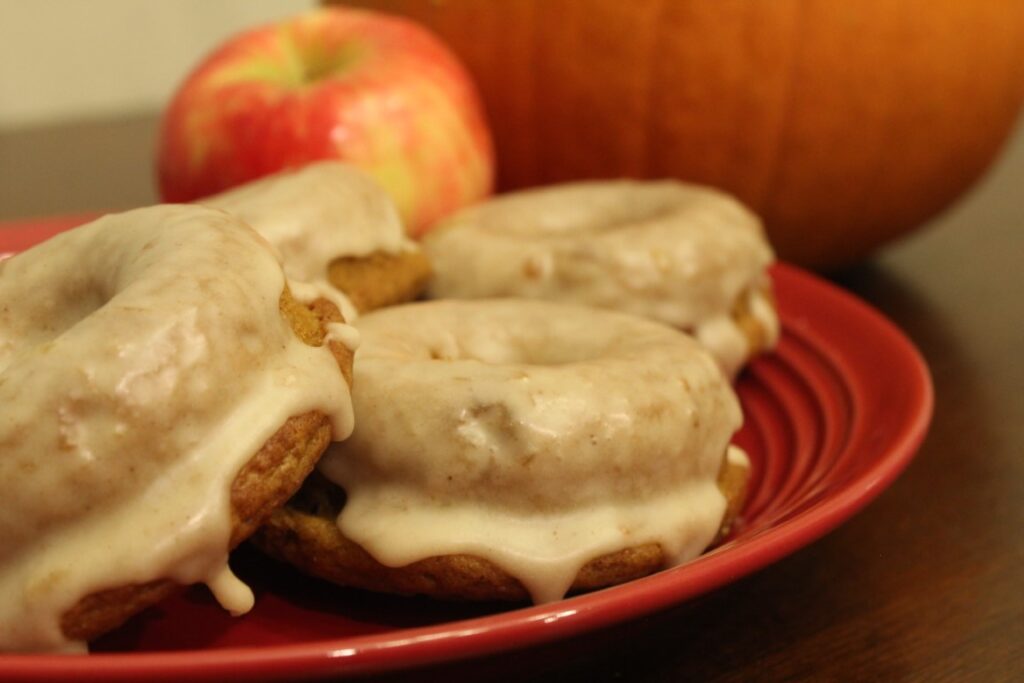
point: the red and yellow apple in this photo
(376, 91)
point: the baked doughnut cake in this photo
(162, 392)
(686, 255)
(510, 448)
(333, 224)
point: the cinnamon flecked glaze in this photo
(686, 255)
(162, 391)
(507, 449)
(336, 230)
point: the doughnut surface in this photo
(156, 400)
(686, 255)
(532, 435)
(335, 229)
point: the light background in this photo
(73, 60)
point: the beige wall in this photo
(65, 60)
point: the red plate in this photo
(832, 418)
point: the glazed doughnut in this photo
(686, 255)
(517, 448)
(332, 224)
(162, 392)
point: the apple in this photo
(376, 91)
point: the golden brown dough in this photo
(304, 533)
(380, 279)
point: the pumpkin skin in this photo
(843, 124)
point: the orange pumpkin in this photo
(843, 123)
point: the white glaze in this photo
(314, 215)
(534, 434)
(682, 254)
(143, 361)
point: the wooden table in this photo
(927, 583)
